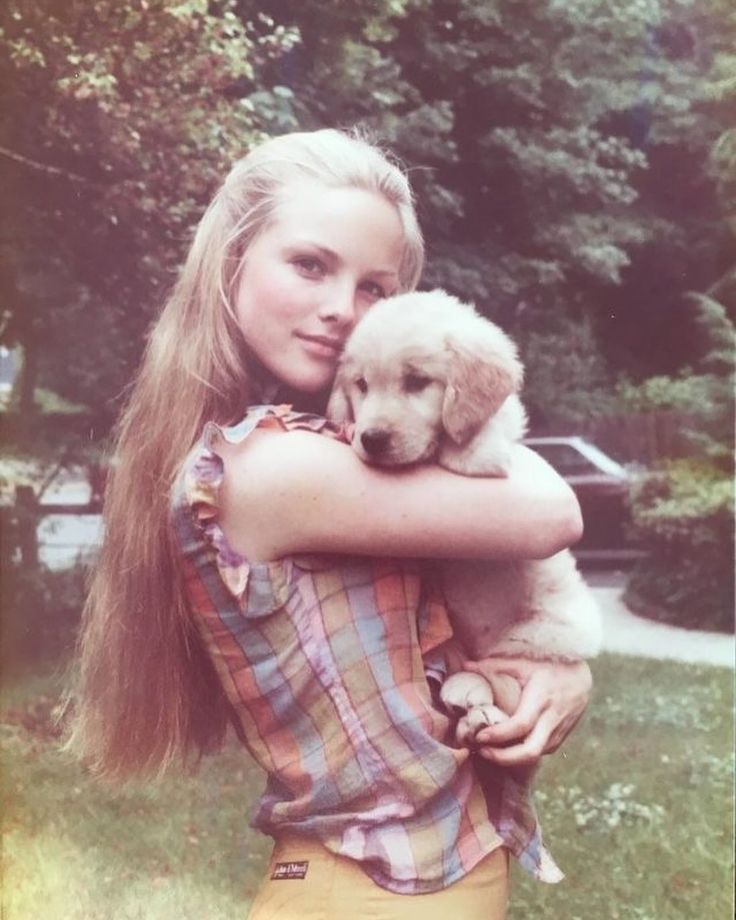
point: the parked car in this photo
(602, 486)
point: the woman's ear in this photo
(482, 374)
(339, 407)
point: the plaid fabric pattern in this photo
(322, 658)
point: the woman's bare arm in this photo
(287, 492)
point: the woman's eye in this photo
(415, 383)
(375, 290)
(308, 266)
(362, 384)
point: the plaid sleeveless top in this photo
(324, 659)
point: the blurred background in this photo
(575, 168)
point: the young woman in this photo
(254, 571)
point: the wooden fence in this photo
(19, 523)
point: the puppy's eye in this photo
(415, 383)
(362, 384)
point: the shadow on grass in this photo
(177, 847)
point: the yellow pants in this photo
(333, 887)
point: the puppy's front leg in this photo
(470, 463)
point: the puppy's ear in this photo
(482, 374)
(339, 407)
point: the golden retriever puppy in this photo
(424, 378)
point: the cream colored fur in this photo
(425, 378)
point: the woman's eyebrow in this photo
(311, 244)
(332, 256)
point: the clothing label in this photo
(286, 870)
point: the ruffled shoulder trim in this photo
(271, 416)
(259, 588)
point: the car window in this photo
(565, 459)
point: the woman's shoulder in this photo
(241, 470)
(221, 444)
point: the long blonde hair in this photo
(146, 692)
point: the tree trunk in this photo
(28, 378)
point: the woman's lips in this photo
(321, 345)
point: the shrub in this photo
(682, 512)
(40, 615)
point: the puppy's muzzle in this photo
(375, 441)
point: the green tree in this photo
(684, 511)
(116, 122)
(547, 142)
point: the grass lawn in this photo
(639, 814)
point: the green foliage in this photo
(719, 101)
(568, 158)
(687, 393)
(683, 515)
(48, 401)
(40, 613)
(683, 512)
(117, 122)
(706, 395)
(569, 383)
(530, 160)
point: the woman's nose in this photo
(338, 305)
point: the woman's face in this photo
(311, 273)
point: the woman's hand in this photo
(554, 696)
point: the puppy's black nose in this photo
(375, 441)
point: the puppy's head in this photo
(417, 368)
(393, 392)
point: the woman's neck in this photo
(267, 389)
(303, 402)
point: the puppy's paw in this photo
(464, 690)
(474, 720)
(469, 697)
(467, 463)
